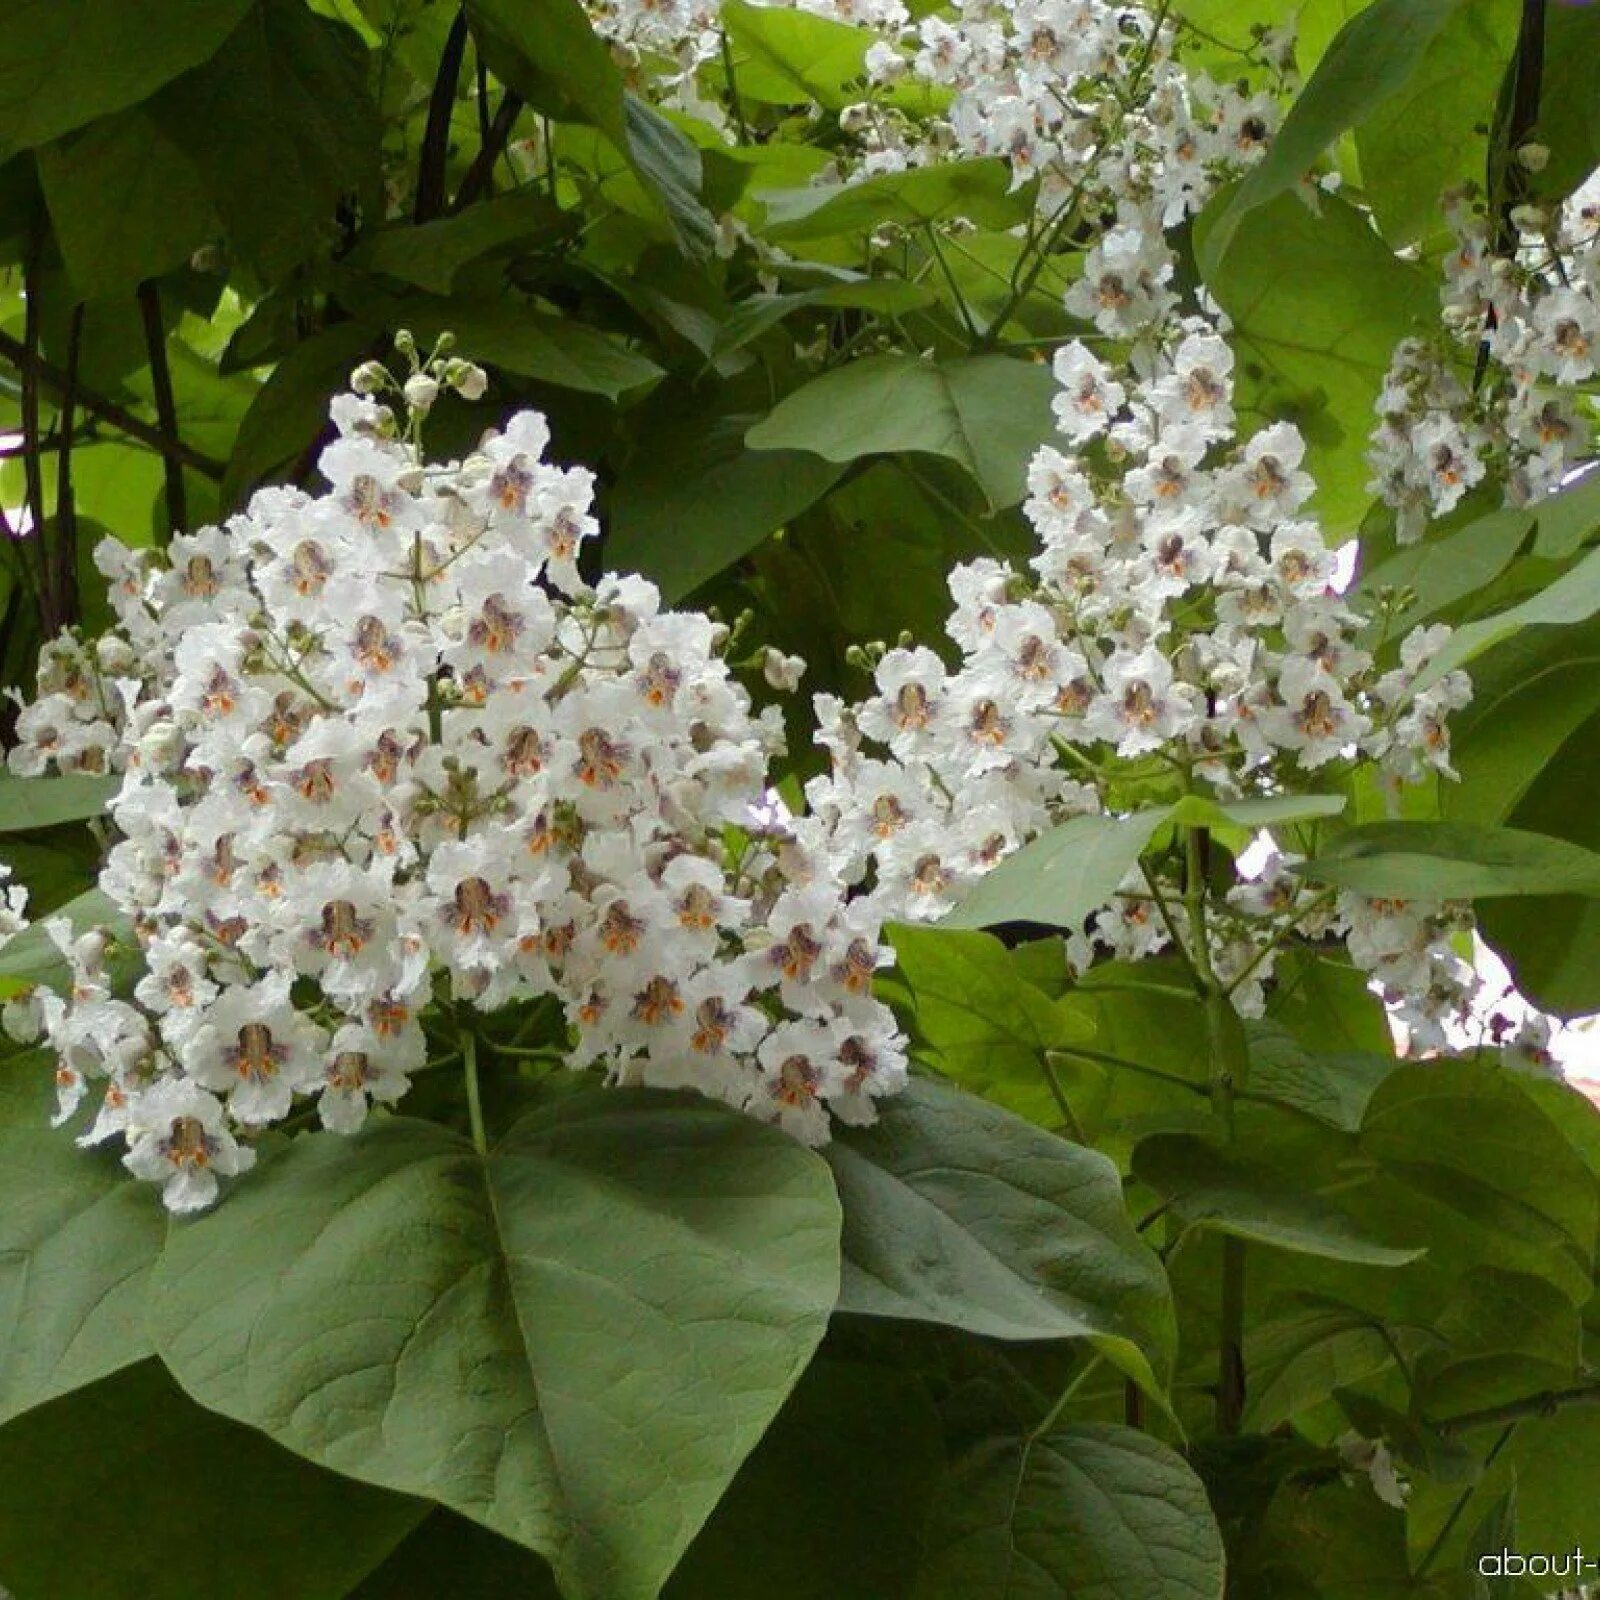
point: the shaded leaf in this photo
(67, 62)
(120, 1457)
(1080, 1514)
(1234, 1194)
(958, 1213)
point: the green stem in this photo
(1462, 1501)
(469, 1061)
(1068, 1116)
(1538, 1405)
(1228, 1069)
(1110, 1060)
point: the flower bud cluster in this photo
(1491, 395)
(389, 760)
(1181, 623)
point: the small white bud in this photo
(469, 381)
(113, 655)
(1535, 157)
(421, 391)
(782, 672)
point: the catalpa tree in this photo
(798, 799)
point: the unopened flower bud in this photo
(369, 378)
(469, 381)
(782, 672)
(421, 391)
(113, 654)
(1535, 157)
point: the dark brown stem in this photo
(494, 143)
(155, 343)
(32, 463)
(65, 553)
(1507, 178)
(436, 139)
(119, 417)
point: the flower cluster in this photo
(389, 760)
(1490, 396)
(1182, 622)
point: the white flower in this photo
(177, 1138)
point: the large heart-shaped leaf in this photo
(574, 1342)
(77, 1241)
(1084, 1513)
(959, 1213)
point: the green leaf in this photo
(519, 338)
(1233, 1194)
(67, 62)
(1083, 1513)
(282, 128)
(1469, 1137)
(77, 1240)
(1454, 861)
(670, 166)
(1441, 572)
(1552, 944)
(447, 1555)
(127, 203)
(1568, 517)
(1568, 124)
(1296, 1363)
(1318, 303)
(958, 1213)
(1374, 57)
(180, 1501)
(979, 189)
(631, 1282)
(823, 1465)
(1573, 597)
(692, 500)
(546, 51)
(32, 958)
(432, 254)
(988, 1025)
(290, 410)
(1432, 134)
(751, 318)
(44, 802)
(1330, 1088)
(1198, 811)
(781, 56)
(1064, 875)
(988, 414)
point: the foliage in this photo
(1168, 1275)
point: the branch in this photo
(32, 465)
(1538, 1405)
(494, 143)
(1506, 178)
(119, 417)
(155, 343)
(65, 578)
(436, 138)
